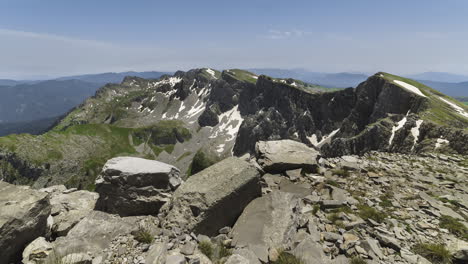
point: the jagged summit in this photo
(192, 119)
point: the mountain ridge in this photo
(203, 115)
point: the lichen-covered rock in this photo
(214, 197)
(135, 186)
(23, 218)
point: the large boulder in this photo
(23, 218)
(135, 186)
(214, 197)
(282, 155)
(267, 222)
(69, 207)
(94, 233)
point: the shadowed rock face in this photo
(23, 218)
(200, 204)
(135, 186)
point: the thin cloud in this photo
(52, 37)
(278, 34)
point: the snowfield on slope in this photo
(457, 108)
(400, 125)
(409, 87)
(229, 124)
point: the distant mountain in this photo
(451, 89)
(333, 80)
(27, 102)
(113, 77)
(34, 127)
(6, 82)
(32, 106)
(439, 77)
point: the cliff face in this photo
(195, 118)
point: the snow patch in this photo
(325, 139)
(229, 124)
(400, 125)
(294, 84)
(211, 72)
(441, 141)
(415, 132)
(409, 87)
(457, 108)
(182, 107)
(197, 108)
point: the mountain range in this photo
(183, 168)
(195, 118)
(32, 106)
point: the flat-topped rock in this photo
(135, 186)
(23, 218)
(282, 155)
(214, 197)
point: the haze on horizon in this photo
(56, 38)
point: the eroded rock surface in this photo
(23, 218)
(214, 197)
(135, 186)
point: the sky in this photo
(50, 38)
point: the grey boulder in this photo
(68, 208)
(282, 155)
(267, 222)
(213, 198)
(23, 218)
(134, 186)
(94, 233)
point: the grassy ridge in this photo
(88, 146)
(438, 111)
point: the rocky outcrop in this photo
(69, 207)
(267, 222)
(135, 186)
(93, 234)
(23, 218)
(214, 197)
(282, 155)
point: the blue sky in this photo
(41, 38)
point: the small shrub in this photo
(454, 226)
(143, 235)
(206, 248)
(332, 183)
(333, 217)
(341, 172)
(367, 212)
(436, 253)
(223, 251)
(386, 200)
(315, 209)
(357, 260)
(287, 258)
